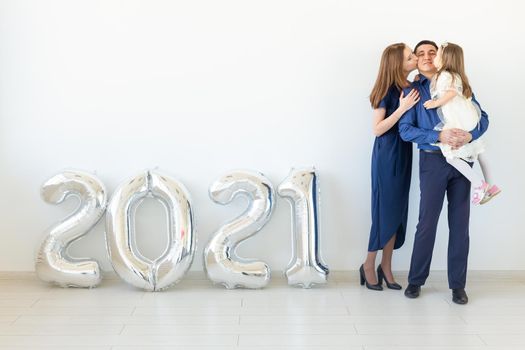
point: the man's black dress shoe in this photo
(459, 296)
(412, 291)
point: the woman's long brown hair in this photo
(390, 73)
(453, 62)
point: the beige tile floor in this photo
(197, 315)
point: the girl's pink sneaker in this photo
(491, 193)
(479, 193)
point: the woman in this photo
(391, 164)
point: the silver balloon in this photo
(127, 261)
(221, 263)
(301, 189)
(53, 264)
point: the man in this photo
(437, 177)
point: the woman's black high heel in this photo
(381, 277)
(364, 281)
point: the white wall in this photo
(198, 88)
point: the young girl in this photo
(451, 92)
(391, 164)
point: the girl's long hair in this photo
(390, 73)
(453, 62)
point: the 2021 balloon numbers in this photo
(222, 265)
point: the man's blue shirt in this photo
(417, 124)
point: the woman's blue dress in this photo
(391, 172)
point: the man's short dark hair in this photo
(425, 42)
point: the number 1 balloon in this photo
(301, 189)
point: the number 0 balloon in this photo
(127, 261)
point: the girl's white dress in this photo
(460, 112)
